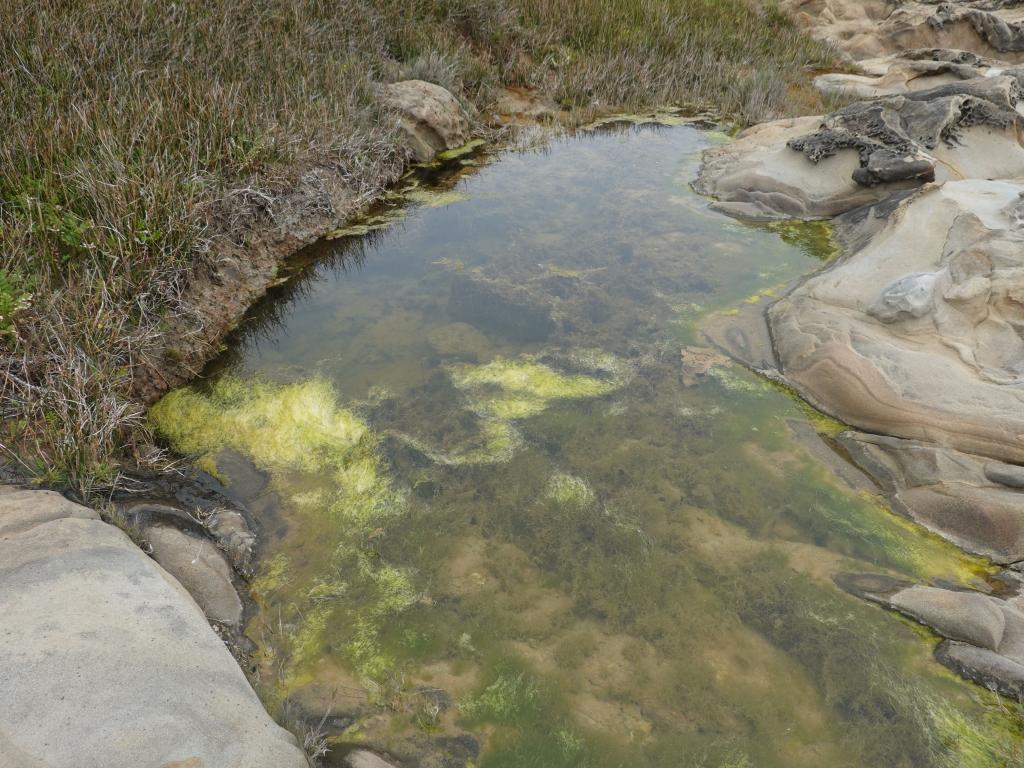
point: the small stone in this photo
(201, 569)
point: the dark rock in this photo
(987, 668)
(870, 586)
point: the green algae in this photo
(466, 149)
(297, 426)
(426, 198)
(815, 238)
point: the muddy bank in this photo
(913, 335)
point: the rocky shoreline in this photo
(914, 336)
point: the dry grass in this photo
(134, 136)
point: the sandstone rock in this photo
(201, 568)
(913, 70)
(868, 150)
(947, 491)
(23, 510)
(429, 115)
(1011, 475)
(106, 662)
(968, 616)
(758, 176)
(952, 375)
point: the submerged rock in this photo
(984, 634)
(500, 307)
(913, 70)
(107, 660)
(361, 758)
(430, 116)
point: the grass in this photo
(138, 138)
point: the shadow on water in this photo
(518, 533)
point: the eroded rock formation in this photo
(915, 335)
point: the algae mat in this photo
(513, 517)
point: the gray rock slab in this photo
(107, 662)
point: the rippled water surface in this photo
(508, 522)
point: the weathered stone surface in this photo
(951, 375)
(913, 70)
(500, 307)
(200, 568)
(430, 116)
(947, 491)
(987, 668)
(1010, 475)
(22, 510)
(876, 27)
(968, 616)
(106, 662)
(233, 533)
(864, 152)
(758, 176)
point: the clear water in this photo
(494, 540)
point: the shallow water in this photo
(500, 538)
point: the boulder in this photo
(107, 662)
(201, 568)
(431, 117)
(968, 616)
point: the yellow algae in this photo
(296, 426)
(433, 199)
